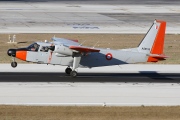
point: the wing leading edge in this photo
(74, 45)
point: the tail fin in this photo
(153, 42)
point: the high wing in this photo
(83, 49)
(71, 47)
(74, 45)
(65, 42)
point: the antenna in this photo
(82, 42)
(95, 44)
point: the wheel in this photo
(68, 70)
(73, 74)
(14, 64)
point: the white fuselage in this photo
(103, 58)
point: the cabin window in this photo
(44, 49)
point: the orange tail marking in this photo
(159, 42)
(21, 55)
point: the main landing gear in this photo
(73, 74)
(69, 71)
(76, 60)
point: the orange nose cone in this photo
(21, 55)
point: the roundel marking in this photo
(108, 56)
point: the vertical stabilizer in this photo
(153, 42)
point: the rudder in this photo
(158, 45)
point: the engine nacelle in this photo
(63, 50)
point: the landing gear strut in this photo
(13, 63)
(76, 60)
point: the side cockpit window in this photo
(33, 47)
(44, 49)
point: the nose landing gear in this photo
(13, 63)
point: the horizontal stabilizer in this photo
(83, 49)
(156, 57)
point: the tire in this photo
(68, 71)
(14, 64)
(73, 74)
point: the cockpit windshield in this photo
(33, 47)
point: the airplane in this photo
(70, 53)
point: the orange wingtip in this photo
(83, 49)
(21, 55)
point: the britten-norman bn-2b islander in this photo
(70, 53)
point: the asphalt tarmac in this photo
(102, 16)
(112, 2)
(93, 77)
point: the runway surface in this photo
(87, 16)
(126, 85)
(91, 77)
(117, 73)
(99, 2)
(43, 89)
